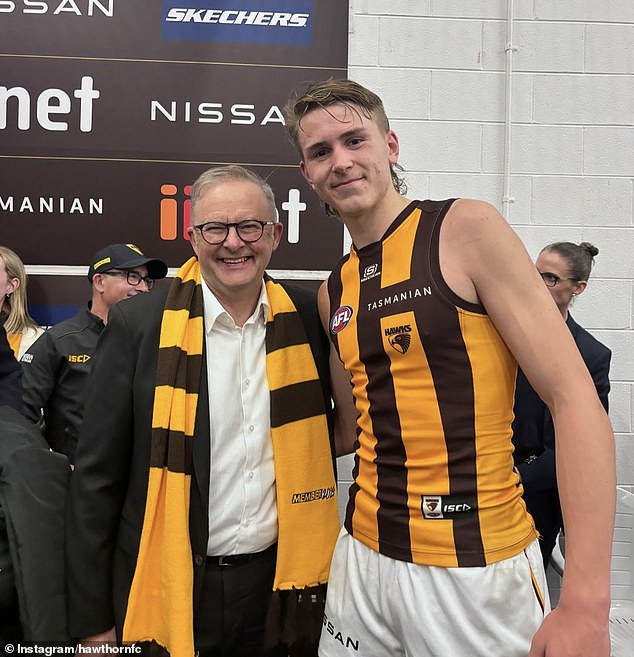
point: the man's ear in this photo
(307, 178)
(392, 146)
(278, 229)
(191, 234)
(97, 282)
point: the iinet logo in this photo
(169, 212)
(50, 105)
(293, 206)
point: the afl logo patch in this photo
(340, 319)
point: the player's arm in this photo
(492, 260)
(345, 410)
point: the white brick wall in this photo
(438, 65)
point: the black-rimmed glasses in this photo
(133, 277)
(552, 279)
(216, 232)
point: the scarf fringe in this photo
(295, 619)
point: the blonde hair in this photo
(330, 92)
(13, 307)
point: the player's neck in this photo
(370, 226)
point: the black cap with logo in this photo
(125, 256)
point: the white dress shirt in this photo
(242, 501)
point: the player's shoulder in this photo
(469, 221)
(473, 211)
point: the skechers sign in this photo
(278, 22)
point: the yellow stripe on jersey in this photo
(423, 437)
(393, 252)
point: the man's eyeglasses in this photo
(133, 277)
(552, 279)
(249, 230)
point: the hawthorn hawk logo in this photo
(401, 342)
(399, 337)
(431, 506)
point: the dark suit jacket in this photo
(33, 485)
(533, 430)
(109, 485)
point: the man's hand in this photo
(572, 633)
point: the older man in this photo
(204, 478)
(57, 366)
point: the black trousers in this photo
(230, 616)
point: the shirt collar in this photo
(213, 309)
(95, 319)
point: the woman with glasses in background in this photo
(21, 329)
(565, 268)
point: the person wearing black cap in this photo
(56, 367)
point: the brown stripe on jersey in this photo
(393, 514)
(441, 334)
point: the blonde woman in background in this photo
(21, 329)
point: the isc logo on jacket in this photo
(78, 358)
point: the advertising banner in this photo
(110, 109)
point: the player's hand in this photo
(572, 633)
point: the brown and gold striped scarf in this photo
(160, 601)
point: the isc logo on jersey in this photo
(340, 319)
(247, 21)
(435, 507)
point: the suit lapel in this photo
(199, 502)
(572, 326)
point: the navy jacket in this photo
(533, 430)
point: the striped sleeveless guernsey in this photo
(433, 383)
